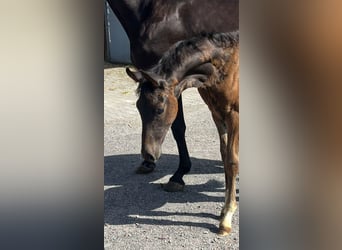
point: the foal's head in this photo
(158, 107)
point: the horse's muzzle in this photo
(150, 157)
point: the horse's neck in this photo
(193, 73)
(193, 63)
(188, 55)
(127, 11)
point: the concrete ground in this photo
(138, 213)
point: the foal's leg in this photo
(222, 130)
(231, 168)
(176, 182)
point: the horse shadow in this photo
(130, 198)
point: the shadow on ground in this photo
(130, 197)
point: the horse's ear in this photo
(191, 81)
(156, 80)
(162, 83)
(135, 75)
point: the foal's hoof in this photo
(223, 231)
(145, 167)
(173, 187)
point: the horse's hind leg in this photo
(231, 168)
(176, 182)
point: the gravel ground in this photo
(138, 213)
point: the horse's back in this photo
(167, 22)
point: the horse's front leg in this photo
(176, 182)
(231, 169)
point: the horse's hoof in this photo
(224, 231)
(145, 167)
(173, 187)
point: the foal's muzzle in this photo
(149, 156)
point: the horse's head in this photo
(158, 107)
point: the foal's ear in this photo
(156, 80)
(135, 75)
(191, 81)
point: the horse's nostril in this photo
(149, 158)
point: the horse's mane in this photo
(180, 51)
(178, 54)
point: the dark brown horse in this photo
(153, 26)
(210, 63)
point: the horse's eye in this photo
(159, 111)
(161, 99)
